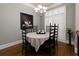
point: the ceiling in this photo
(43, 4)
(48, 5)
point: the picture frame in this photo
(26, 21)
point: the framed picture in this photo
(26, 21)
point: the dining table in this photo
(36, 40)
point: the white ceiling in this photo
(48, 5)
(43, 4)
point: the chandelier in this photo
(40, 9)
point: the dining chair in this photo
(49, 45)
(53, 35)
(25, 44)
(23, 41)
(56, 33)
(34, 29)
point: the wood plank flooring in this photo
(61, 50)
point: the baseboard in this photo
(66, 41)
(10, 44)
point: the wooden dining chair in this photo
(34, 29)
(53, 35)
(49, 45)
(56, 33)
(23, 41)
(26, 46)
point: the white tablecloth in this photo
(36, 40)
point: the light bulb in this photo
(36, 9)
(40, 6)
(45, 8)
(41, 11)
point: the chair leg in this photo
(25, 50)
(22, 49)
(49, 53)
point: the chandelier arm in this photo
(40, 9)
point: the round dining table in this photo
(36, 40)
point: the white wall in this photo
(70, 16)
(76, 24)
(70, 19)
(10, 21)
(42, 22)
(77, 16)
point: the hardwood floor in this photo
(61, 50)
